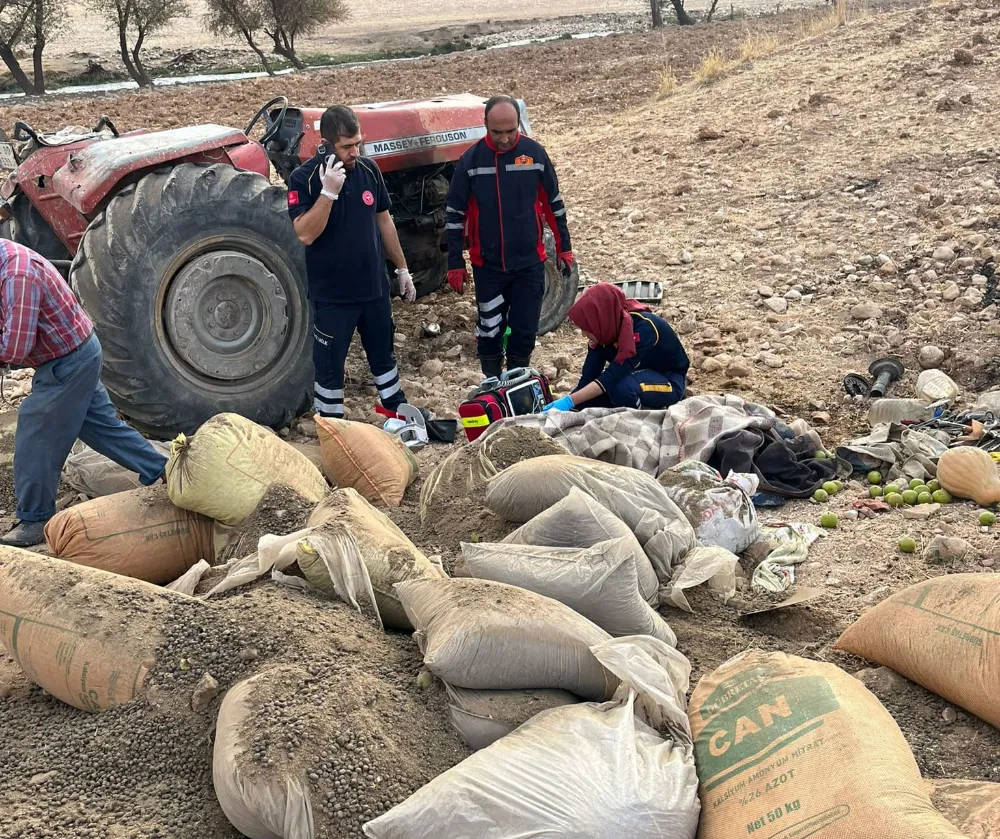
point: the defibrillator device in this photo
(515, 393)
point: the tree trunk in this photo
(260, 53)
(657, 14)
(39, 47)
(126, 56)
(283, 48)
(683, 18)
(142, 77)
(7, 54)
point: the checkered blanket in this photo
(652, 441)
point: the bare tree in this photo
(683, 18)
(285, 20)
(24, 22)
(134, 20)
(239, 19)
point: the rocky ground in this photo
(824, 196)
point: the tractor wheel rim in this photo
(226, 315)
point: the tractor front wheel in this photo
(27, 227)
(560, 291)
(195, 281)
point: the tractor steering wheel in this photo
(273, 126)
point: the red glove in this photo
(457, 278)
(566, 261)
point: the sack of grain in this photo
(578, 521)
(355, 532)
(86, 636)
(482, 717)
(95, 475)
(526, 489)
(600, 771)
(944, 634)
(138, 534)
(599, 582)
(225, 468)
(375, 463)
(483, 635)
(720, 511)
(475, 463)
(788, 747)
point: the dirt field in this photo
(848, 175)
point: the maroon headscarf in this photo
(603, 311)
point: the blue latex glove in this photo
(563, 404)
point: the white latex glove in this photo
(332, 177)
(406, 288)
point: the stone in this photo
(948, 715)
(778, 305)
(738, 370)
(793, 294)
(930, 357)
(42, 777)
(454, 353)
(865, 311)
(711, 365)
(921, 512)
(821, 418)
(951, 292)
(943, 254)
(947, 549)
(685, 257)
(888, 269)
(772, 360)
(765, 291)
(964, 57)
(431, 368)
(204, 692)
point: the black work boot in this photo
(25, 535)
(492, 367)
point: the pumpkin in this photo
(968, 472)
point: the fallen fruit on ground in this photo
(821, 495)
(921, 489)
(934, 485)
(829, 520)
(831, 488)
(894, 500)
(909, 496)
(986, 518)
(907, 544)
(874, 477)
(941, 496)
(820, 455)
(925, 498)
(890, 489)
(915, 483)
(875, 492)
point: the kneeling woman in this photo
(635, 359)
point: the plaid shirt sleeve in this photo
(21, 298)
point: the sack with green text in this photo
(788, 748)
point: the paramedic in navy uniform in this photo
(340, 208)
(504, 186)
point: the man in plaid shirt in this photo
(42, 326)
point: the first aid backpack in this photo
(517, 392)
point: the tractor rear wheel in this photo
(27, 227)
(195, 281)
(560, 292)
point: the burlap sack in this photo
(599, 582)
(943, 634)
(368, 459)
(524, 490)
(972, 806)
(354, 529)
(489, 636)
(578, 521)
(788, 748)
(138, 533)
(225, 468)
(86, 636)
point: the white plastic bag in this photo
(715, 566)
(719, 509)
(95, 475)
(578, 521)
(524, 490)
(599, 582)
(482, 717)
(614, 770)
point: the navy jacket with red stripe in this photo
(497, 203)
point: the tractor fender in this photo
(91, 174)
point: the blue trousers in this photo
(68, 401)
(333, 329)
(643, 389)
(508, 299)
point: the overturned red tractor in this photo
(181, 250)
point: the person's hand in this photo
(563, 404)
(407, 290)
(457, 278)
(566, 261)
(332, 177)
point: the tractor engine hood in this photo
(92, 173)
